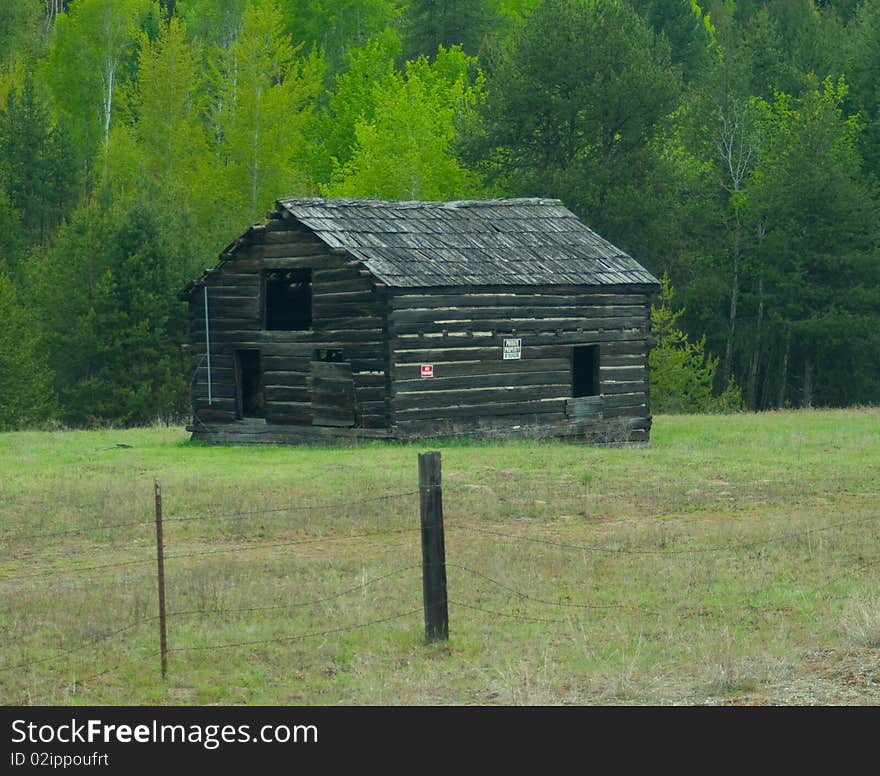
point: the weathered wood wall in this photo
(385, 335)
(347, 315)
(461, 332)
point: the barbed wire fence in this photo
(433, 566)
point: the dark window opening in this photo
(250, 402)
(288, 299)
(329, 356)
(585, 371)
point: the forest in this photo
(731, 146)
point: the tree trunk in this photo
(784, 379)
(808, 382)
(756, 351)
(731, 331)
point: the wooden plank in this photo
(584, 407)
(485, 410)
(332, 394)
(288, 378)
(478, 396)
(287, 250)
(522, 326)
(632, 386)
(522, 312)
(496, 380)
(507, 297)
(425, 351)
(494, 367)
(308, 261)
(284, 393)
(329, 300)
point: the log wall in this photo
(348, 313)
(460, 334)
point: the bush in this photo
(682, 372)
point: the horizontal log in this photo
(629, 360)
(524, 312)
(486, 410)
(633, 410)
(275, 407)
(520, 326)
(285, 393)
(489, 366)
(317, 339)
(478, 396)
(512, 298)
(321, 299)
(283, 250)
(624, 400)
(322, 288)
(516, 379)
(289, 379)
(585, 337)
(280, 236)
(541, 346)
(631, 386)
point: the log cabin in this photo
(348, 319)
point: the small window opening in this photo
(288, 299)
(585, 371)
(249, 399)
(329, 356)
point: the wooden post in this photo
(160, 561)
(433, 548)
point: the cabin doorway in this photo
(585, 371)
(249, 398)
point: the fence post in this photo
(160, 562)
(433, 548)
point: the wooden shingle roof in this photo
(523, 242)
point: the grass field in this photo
(736, 560)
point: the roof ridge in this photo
(416, 203)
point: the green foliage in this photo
(91, 55)
(712, 138)
(682, 372)
(21, 30)
(448, 23)
(403, 152)
(26, 394)
(338, 27)
(574, 99)
(107, 288)
(263, 95)
(37, 166)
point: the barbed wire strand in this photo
(338, 506)
(200, 553)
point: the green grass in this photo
(734, 560)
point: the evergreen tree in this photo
(447, 23)
(683, 372)
(25, 379)
(107, 292)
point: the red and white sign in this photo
(427, 370)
